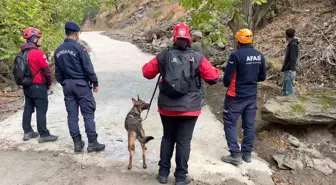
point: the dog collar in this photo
(131, 116)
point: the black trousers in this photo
(36, 97)
(78, 94)
(179, 130)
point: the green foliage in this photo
(259, 2)
(303, 98)
(298, 108)
(327, 101)
(47, 15)
(210, 16)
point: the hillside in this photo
(315, 22)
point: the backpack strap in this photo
(26, 56)
(192, 61)
(198, 59)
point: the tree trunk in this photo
(252, 15)
(116, 5)
(235, 23)
(260, 11)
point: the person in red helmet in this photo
(179, 101)
(36, 92)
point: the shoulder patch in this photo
(84, 48)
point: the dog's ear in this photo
(134, 101)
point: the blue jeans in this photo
(288, 84)
(233, 108)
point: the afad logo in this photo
(182, 32)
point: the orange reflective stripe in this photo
(232, 88)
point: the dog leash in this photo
(150, 103)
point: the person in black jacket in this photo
(75, 72)
(289, 66)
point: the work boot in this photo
(94, 146)
(233, 159)
(30, 135)
(162, 179)
(78, 144)
(247, 157)
(186, 181)
(50, 138)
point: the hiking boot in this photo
(247, 157)
(78, 144)
(50, 138)
(94, 146)
(186, 181)
(233, 159)
(30, 135)
(162, 179)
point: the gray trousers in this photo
(78, 93)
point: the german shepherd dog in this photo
(133, 126)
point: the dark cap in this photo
(72, 27)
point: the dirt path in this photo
(32, 168)
(118, 65)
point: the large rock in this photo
(155, 34)
(311, 108)
(299, 155)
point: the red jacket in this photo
(38, 63)
(207, 71)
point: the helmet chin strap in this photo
(36, 43)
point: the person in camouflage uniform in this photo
(201, 47)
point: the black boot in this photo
(30, 135)
(247, 157)
(50, 138)
(94, 146)
(186, 181)
(78, 144)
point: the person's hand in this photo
(50, 91)
(95, 89)
(220, 77)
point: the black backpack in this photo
(22, 73)
(178, 72)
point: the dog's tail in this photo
(147, 139)
(141, 136)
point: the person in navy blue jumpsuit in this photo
(245, 68)
(75, 72)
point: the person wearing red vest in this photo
(36, 95)
(179, 113)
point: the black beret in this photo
(72, 27)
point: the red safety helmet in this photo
(29, 32)
(181, 30)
